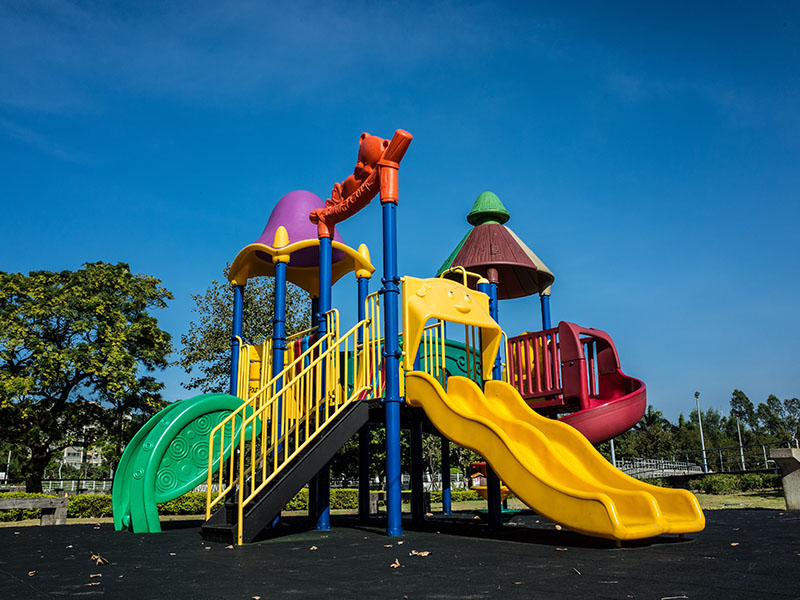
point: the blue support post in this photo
(363, 434)
(391, 361)
(447, 506)
(323, 479)
(545, 300)
(494, 504)
(238, 318)
(279, 331)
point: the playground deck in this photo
(741, 554)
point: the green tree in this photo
(72, 344)
(653, 435)
(206, 351)
(742, 408)
(773, 418)
(792, 408)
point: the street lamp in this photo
(700, 422)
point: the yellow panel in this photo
(425, 299)
(248, 264)
(549, 465)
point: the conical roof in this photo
(494, 251)
(487, 209)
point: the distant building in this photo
(74, 456)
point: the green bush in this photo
(300, 501)
(727, 484)
(191, 503)
(656, 481)
(89, 506)
(22, 514)
(456, 495)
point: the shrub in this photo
(89, 506)
(727, 484)
(456, 495)
(299, 502)
(191, 503)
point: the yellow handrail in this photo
(464, 274)
(291, 410)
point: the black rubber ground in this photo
(751, 554)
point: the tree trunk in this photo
(34, 470)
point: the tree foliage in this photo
(206, 350)
(770, 421)
(73, 346)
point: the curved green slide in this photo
(167, 458)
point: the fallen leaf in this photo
(476, 518)
(395, 564)
(576, 570)
(558, 527)
(561, 549)
(255, 597)
(387, 545)
(208, 547)
(91, 584)
(400, 542)
(70, 546)
(99, 560)
(33, 573)
(313, 548)
(229, 547)
(734, 543)
(93, 575)
(517, 583)
(422, 553)
(16, 533)
(428, 514)
(172, 554)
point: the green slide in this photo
(167, 458)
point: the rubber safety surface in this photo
(741, 554)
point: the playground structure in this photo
(294, 402)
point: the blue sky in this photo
(648, 153)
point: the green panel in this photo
(120, 489)
(455, 359)
(167, 458)
(185, 462)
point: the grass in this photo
(772, 499)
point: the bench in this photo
(54, 510)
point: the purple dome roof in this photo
(292, 212)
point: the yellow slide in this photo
(549, 465)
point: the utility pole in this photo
(741, 449)
(700, 422)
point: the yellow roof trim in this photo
(247, 265)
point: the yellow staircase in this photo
(289, 412)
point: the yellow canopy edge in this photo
(247, 265)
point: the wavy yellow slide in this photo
(549, 465)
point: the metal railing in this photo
(76, 486)
(726, 459)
